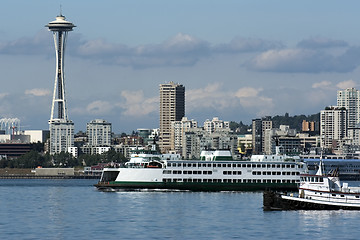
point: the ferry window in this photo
(334, 195)
(218, 165)
(238, 165)
(194, 164)
(249, 165)
(287, 166)
(259, 180)
(185, 180)
(268, 173)
(209, 180)
(224, 165)
(243, 165)
(225, 172)
(259, 165)
(273, 181)
(205, 180)
(273, 173)
(268, 181)
(342, 196)
(273, 166)
(189, 164)
(264, 173)
(292, 166)
(263, 166)
(174, 164)
(278, 165)
(209, 164)
(239, 172)
(321, 180)
(179, 165)
(278, 173)
(229, 165)
(357, 196)
(253, 173)
(168, 164)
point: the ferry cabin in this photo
(232, 172)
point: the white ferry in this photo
(215, 171)
(319, 191)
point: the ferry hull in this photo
(275, 201)
(213, 187)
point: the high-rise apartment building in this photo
(215, 124)
(178, 129)
(333, 126)
(98, 132)
(350, 99)
(172, 108)
(258, 134)
(61, 128)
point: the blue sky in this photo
(238, 60)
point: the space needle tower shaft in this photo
(60, 27)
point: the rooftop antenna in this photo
(60, 10)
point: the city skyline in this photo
(237, 60)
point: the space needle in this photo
(61, 128)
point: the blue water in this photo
(74, 209)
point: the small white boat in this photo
(319, 191)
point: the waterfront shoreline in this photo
(25, 173)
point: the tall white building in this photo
(61, 128)
(350, 99)
(178, 129)
(99, 132)
(333, 126)
(61, 136)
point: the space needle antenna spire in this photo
(60, 28)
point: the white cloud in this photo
(300, 60)
(99, 107)
(136, 105)
(38, 92)
(323, 84)
(247, 92)
(346, 84)
(210, 97)
(249, 98)
(3, 95)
